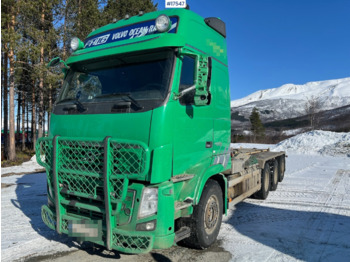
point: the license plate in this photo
(85, 229)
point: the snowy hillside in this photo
(289, 100)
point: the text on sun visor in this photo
(127, 32)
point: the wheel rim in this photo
(211, 214)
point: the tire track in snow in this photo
(315, 231)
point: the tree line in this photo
(32, 33)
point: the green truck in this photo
(138, 154)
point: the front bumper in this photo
(90, 180)
(133, 242)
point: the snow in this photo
(307, 218)
(23, 234)
(27, 167)
(293, 132)
(247, 132)
(317, 142)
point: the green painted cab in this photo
(140, 125)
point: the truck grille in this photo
(80, 168)
(127, 158)
(81, 156)
(83, 185)
(44, 152)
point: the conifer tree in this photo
(4, 78)
(256, 125)
(117, 9)
(9, 38)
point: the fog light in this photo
(147, 226)
(163, 23)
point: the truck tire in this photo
(274, 175)
(281, 167)
(206, 219)
(265, 183)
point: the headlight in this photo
(149, 202)
(163, 23)
(76, 43)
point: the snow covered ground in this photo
(27, 167)
(23, 234)
(306, 219)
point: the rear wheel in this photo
(274, 175)
(206, 219)
(281, 167)
(265, 183)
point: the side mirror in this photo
(56, 61)
(200, 78)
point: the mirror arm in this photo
(56, 61)
(183, 92)
(64, 63)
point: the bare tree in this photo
(312, 107)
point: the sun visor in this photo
(217, 24)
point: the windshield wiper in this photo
(78, 105)
(112, 94)
(132, 100)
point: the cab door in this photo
(193, 125)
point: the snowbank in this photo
(27, 167)
(317, 142)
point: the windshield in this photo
(142, 80)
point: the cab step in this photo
(182, 233)
(183, 204)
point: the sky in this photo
(275, 42)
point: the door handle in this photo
(209, 144)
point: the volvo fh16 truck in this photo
(138, 154)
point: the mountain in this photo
(289, 100)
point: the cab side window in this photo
(187, 80)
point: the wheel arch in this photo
(222, 181)
(218, 177)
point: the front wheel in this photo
(206, 219)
